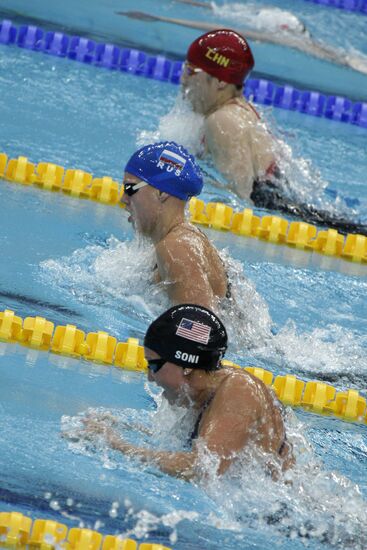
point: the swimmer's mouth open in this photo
(130, 218)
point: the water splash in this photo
(311, 504)
(269, 19)
(97, 275)
(181, 124)
(93, 275)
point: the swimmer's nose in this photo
(125, 199)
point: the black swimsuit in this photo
(269, 194)
(195, 431)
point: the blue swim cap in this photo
(167, 167)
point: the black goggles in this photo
(155, 365)
(130, 188)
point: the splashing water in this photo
(310, 504)
(181, 124)
(96, 274)
(93, 275)
(270, 19)
(330, 353)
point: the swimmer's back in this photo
(248, 397)
(239, 143)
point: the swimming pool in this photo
(100, 21)
(75, 261)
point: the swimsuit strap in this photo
(244, 105)
(195, 431)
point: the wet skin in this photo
(238, 411)
(241, 148)
(186, 260)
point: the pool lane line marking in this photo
(137, 62)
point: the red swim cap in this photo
(224, 54)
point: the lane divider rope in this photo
(137, 62)
(16, 530)
(347, 5)
(41, 334)
(273, 229)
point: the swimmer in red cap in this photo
(241, 148)
(216, 67)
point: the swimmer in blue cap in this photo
(159, 179)
(233, 409)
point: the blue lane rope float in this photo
(41, 334)
(136, 62)
(359, 6)
(216, 215)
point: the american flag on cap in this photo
(192, 330)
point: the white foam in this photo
(313, 504)
(252, 16)
(181, 124)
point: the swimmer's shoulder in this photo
(238, 107)
(233, 117)
(185, 231)
(179, 242)
(239, 389)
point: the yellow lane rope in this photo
(274, 229)
(41, 334)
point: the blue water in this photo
(97, 19)
(75, 261)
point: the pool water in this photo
(328, 26)
(76, 261)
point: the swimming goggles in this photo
(130, 188)
(155, 365)
(189, 69)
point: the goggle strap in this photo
(140, 185)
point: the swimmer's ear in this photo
(163, 196)
(187, 372)
(222, 84)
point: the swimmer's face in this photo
(170, 378)
(143, 206)
(199, 88)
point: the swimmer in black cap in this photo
(159, 179)
(184, 348)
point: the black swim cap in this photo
(189, 336)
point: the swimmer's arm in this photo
(180, 264)
(231, 423)
(176, 464)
